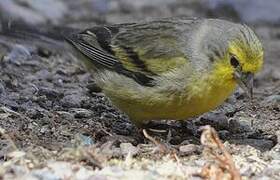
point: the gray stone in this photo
(127, 148)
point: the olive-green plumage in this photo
(171, 68)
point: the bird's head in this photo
(245, 58)
(242, 57)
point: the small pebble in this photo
(223, 134)
(188, 149)
(260, 144)
(217, 120)
(243, 124)
(49, 93)
(64, 115)
(34, 113)
(93, 88)
(18, 54)
(128, 148)
(81, 113)
(273, 169)
(72, 101)
(272, 99)
(83, 140)
(274, 153)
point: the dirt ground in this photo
(55, 125)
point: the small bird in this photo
(172, 68)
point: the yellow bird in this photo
(172, 68)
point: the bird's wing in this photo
(139, 51)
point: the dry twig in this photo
(223, 166)
(162, 148)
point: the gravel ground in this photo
(55, 124)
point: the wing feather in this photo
(140, 51)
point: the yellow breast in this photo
(200, 95)
(177, 106)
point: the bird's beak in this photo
(245, 81)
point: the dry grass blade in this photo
(160, 147)
(223, 166)
(94, 155)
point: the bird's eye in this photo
(234, 62)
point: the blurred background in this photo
(90, 12)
